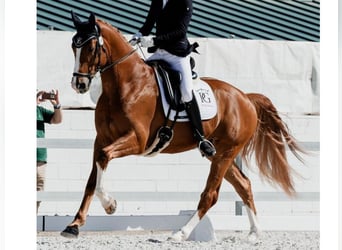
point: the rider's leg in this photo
(182, 64)
(205, 146)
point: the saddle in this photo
(170, 79)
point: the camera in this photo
(48, 96)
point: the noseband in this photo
(78, 42)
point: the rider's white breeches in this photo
(181, 64)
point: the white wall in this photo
(278, 69)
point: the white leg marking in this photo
(186, 230)
(254, 229)
(99, 190)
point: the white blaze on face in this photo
(76, 66)
(77, 59)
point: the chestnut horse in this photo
(129, 113)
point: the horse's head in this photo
(87, 45)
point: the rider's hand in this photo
(135, 39)
(146, 41)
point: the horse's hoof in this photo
(70, 232)
(178, 237)
(112, 207)
(253, 237)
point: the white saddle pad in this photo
(205, 99)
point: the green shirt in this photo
(43, 116)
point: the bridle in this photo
(78, 42)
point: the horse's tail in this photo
(269, 144)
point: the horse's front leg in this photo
(108, 203)
(72, 230)
(94, 181)
(129, 144)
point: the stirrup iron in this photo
(206, 148)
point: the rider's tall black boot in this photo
(205, 146)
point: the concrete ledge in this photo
(112, 223)
(175, 222)
(203, 232)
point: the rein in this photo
(116, 61)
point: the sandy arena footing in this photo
(281, 240)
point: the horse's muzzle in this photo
(81, 82)
(82, 88)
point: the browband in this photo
(80, 38)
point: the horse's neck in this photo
(117, 48)
(131, 71)
(116, 43)
(128, 81)
(129, 75)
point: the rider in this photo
(172, 18)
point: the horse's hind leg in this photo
(209, 196)
(243, 187)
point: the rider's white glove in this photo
(136, 38)
(146, 41)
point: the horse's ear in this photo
(92, 19)
(75, 19)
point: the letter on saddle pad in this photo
(171, 96)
